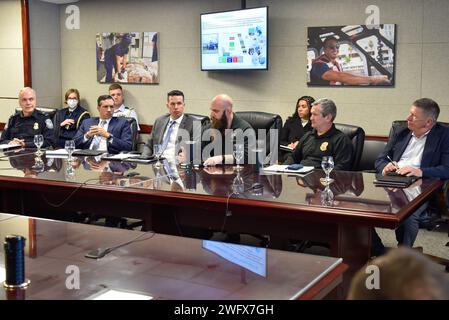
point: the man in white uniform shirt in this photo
(120, 110)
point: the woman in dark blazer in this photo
(68, 120)
(298, 124)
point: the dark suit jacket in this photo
(435, 158)
(118, 127)
(159, 127)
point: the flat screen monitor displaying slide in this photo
(235, 40)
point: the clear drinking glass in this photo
(327, 163)
(70, 147)
(157, 151)
(38, 141)
(39, 165)
(238, 155)
(327, 197)
(238, 186)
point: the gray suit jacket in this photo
(160, 125)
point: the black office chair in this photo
(399, 124)
(198, 117)
(49, 112)
(357, 137)
(134, 132)
(263, 121)
(371, 150)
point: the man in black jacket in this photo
(229, 129)
(24, 125)
(323, 140)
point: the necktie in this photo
(167, 136)
(97, 139)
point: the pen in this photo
(391, 160)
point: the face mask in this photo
(72, 103)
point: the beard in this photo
(220, 124)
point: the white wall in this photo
(421, 68)
(45, 52)
(11, 56)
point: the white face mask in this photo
(72, 103)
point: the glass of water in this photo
(238, 155)
(38, 141)
(327, 197)
(327, 163)
(70, 147)
(157, 151)
(238, 186)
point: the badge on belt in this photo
(36, 126)
(324, 145)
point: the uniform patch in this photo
(324, 145)
(36, 126)
(49, 124)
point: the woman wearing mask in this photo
(68, 120)
(297, 125)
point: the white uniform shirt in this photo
(124, 112)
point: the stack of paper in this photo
(283, 169)
(58, 153)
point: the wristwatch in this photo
(110, 137)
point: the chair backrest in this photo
(263, 120)
(133, 125)
(199, 117)
(371, 150)
(357, 137)
(49, 112)
(399, 124)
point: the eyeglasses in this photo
(337, 46)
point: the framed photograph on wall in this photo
(129, 57)
(356, 55)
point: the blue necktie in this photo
(167, 136)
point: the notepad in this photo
(286, 148)
(118, 294)
(87, 153)
(282, 168)
(120, 156)
(394, 181)
(142, 159)
(6, 146)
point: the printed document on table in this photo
(283, 169)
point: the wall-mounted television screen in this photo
(235, 40)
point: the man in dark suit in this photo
(421, 149)
(105, 133)
(173, 128)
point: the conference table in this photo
(174, 200)
(158, 266)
